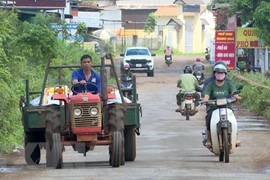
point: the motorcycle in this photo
(199, 77)
(168, 60)
(189, 105)
(127, 85)
(207, 54)
(223, 129)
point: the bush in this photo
(255, 98)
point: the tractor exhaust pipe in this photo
(104, 83)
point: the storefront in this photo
(251, 51)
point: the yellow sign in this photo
(246, 38)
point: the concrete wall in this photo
(112, 19)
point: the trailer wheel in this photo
(130, 144)
(116, 123)
(53, 125)
(32, 150)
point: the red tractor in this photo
(82, 121)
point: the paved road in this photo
(169, 147)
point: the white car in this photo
(140, 60)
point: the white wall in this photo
(111, 15)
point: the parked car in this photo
(140, 60)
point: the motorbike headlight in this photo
(77, 112)
(93, 111)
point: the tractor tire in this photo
(116, 159)
(32, 149)
(130, 144)
(49, 155)
(57, 151)
(52, 125)
(116, 123)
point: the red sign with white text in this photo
(34, 3)
(225, 48)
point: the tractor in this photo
(83, 121)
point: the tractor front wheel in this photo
(57, 151)
(116, 124)
(116, 149)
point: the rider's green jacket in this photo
(217, 92)
(187, 83)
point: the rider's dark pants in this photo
(167, 56)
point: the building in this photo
(189, 32)
(29, 9)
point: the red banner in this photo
(34, 3)
(225, 48)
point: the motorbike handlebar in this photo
(220, 102)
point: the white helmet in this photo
(220, 68)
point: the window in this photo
(134, 52)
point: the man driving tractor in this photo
(88, 79)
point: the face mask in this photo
(220, 77)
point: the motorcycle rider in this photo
(213, 77)
(127, 72)
(198, 66)
(126, 77)
(220, 88)
(187, 83)
(168, 52)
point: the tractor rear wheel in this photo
(49, 155)
(116, 123)
(53, 125)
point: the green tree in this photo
(9, 122)
(81, 30)
(262, 22)
(24, 49)
(256, 12)
(37, 41)
(150, 23)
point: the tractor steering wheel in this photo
(85, 87)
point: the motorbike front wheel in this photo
(224, 151)
(187, 113)
(226, 145)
